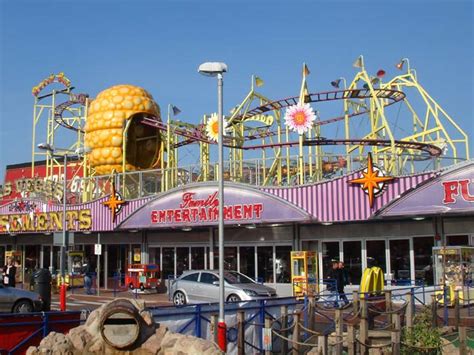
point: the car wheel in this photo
(23, 306)
(142, 287)
(179, 299)
(130, 286)
(233, 298)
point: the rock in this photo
(153, 339)
(153, 344)
(79, 337)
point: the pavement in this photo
(77, 299)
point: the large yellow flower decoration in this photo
(212, 128)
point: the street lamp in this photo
(217, 69)
(63, 153)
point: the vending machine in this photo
(304, 273)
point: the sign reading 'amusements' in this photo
(195, 210)
(46, 221)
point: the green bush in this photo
(422, 338)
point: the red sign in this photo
(454, 188)
(193, 210)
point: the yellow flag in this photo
(305, 70)
(258, 81)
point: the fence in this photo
(324, 322)
(19, 331)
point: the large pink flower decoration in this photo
(300, 118)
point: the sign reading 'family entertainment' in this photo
(198, 205)
(196, 210)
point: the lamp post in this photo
(217, 69)
(62, 259)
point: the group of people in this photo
(338, 277)
(9, 273)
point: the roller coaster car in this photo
(142, 276)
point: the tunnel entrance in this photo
(143, 144)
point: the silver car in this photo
(202, 286)
(19, 301)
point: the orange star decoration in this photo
(372, 180)
(115, 203)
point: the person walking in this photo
(8, 274)
(334, 281)
(344, 280)
(87, 272)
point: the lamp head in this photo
(212, 68)
(336, 83)
(46, 146)
(83, 151)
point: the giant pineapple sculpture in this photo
(107, 119)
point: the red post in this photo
(62, 297)
(222, 336)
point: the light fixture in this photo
(212, 68)
(402, 61)
(133, 230)
(217, 69)
(336, 83)
(186, 229)
(251, 226)
(326, 223)
(47, 233)
(418, 218)
(275, 225)
(86, 232)
(65, 154)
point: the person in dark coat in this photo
(344, 280)
(8, 274)
(87, 272)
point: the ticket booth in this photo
(304, 273)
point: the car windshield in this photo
(233, 277)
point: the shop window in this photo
(182, 260)
(353, 260)
(453, 240)
(400, 258)
(282, 264)
(330, 253)
(154, 256)
(230, 258)
(247, 261)
(197, 258)
(376, 254)
(265, 264)
(168, 262)
(423, 248)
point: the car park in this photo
(202, 286)
(15, 300)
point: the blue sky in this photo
(159, 44)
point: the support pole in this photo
(296, 334)
(284, 325)
(409, 311)
(339, 330)
(351, 342)
(241, 333)
(364, 327)
(396, 334)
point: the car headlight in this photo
(251, 293)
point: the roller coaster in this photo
(417, 135)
